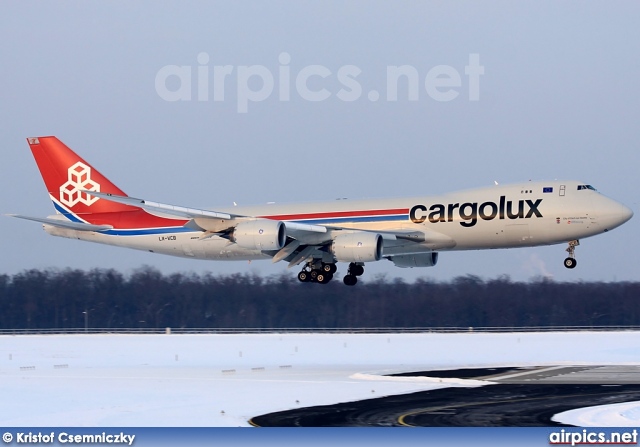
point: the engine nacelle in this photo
(357, 247)
(419, 260)
(261, 234)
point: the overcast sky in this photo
(558, 97)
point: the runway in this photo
(225, 380)
(522, 397)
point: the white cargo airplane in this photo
(408, 232)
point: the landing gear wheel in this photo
(304, 276)
(350, 280)
(314, 274)
(329, 268)
(356, 269)
(571, 262)
(324, 278)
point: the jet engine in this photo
(357, 247)
(418, 260)
(261, 234)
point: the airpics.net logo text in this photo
(314, 83)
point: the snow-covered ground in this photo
(224, 380)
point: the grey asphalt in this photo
(519, 397)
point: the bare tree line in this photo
(66, 299)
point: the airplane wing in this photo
(303, 240)
(78, 226)
(211, 221)
(178, 211)
(214, 221)
(428, 237)
(395, 242)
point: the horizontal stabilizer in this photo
(79, 226)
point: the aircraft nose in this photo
(625, 213)
(613, 214)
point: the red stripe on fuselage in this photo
(139, 218)
(338, 214)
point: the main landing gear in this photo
(322, 273)
(354, 271)
(571, 262)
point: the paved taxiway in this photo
(516, 397)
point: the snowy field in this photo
(224, 380)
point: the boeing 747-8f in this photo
(410, 232)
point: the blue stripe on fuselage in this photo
(125, 232)
(148, 231)
(72, 217)
(166, 230)
(399, 217)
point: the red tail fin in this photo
(66, 175)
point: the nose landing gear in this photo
(571, 262)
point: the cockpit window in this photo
(581, 187)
